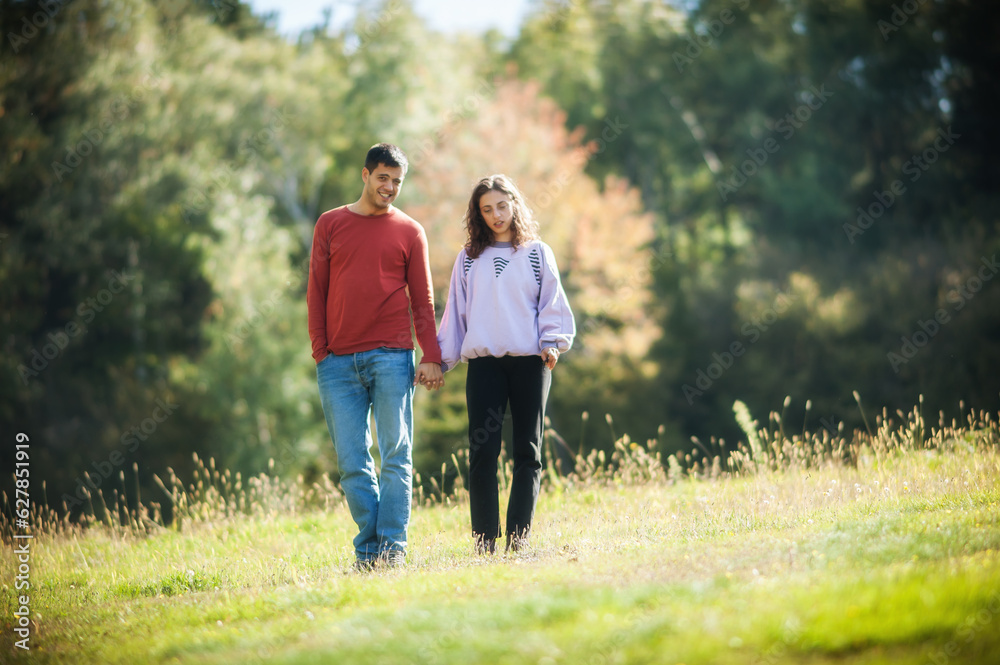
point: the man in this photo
(369, 268)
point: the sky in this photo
(444, 15)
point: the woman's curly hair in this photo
(523, 225)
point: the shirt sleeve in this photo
(418, 281)
(556, 325)
(454, 322)
(318, 289)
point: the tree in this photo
(771, 140)
(600, 238)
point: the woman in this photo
(508, 317)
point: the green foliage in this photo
(764, 136)
(749, 201)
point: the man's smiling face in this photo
(382, 186)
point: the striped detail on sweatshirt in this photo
(499, 264)
(468, 264)
(536, 265)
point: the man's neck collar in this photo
(358, 208)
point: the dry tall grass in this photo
(846, 459)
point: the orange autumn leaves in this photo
(600, 236)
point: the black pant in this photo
(492, 383)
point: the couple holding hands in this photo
(507, 316)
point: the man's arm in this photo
(418, 280)
(317, 291)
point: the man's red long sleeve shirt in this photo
(365, 275)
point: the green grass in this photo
(894, 559)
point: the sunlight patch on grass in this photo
(894, 557)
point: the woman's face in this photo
(498, 211)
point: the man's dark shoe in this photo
(364, 565)
(392, 558)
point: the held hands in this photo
(429, 376)
(551, 356)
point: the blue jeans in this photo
(351, 387)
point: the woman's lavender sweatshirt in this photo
(505, 302)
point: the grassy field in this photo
(809, 549)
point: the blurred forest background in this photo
(748, 199)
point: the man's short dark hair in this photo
(387, 154)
